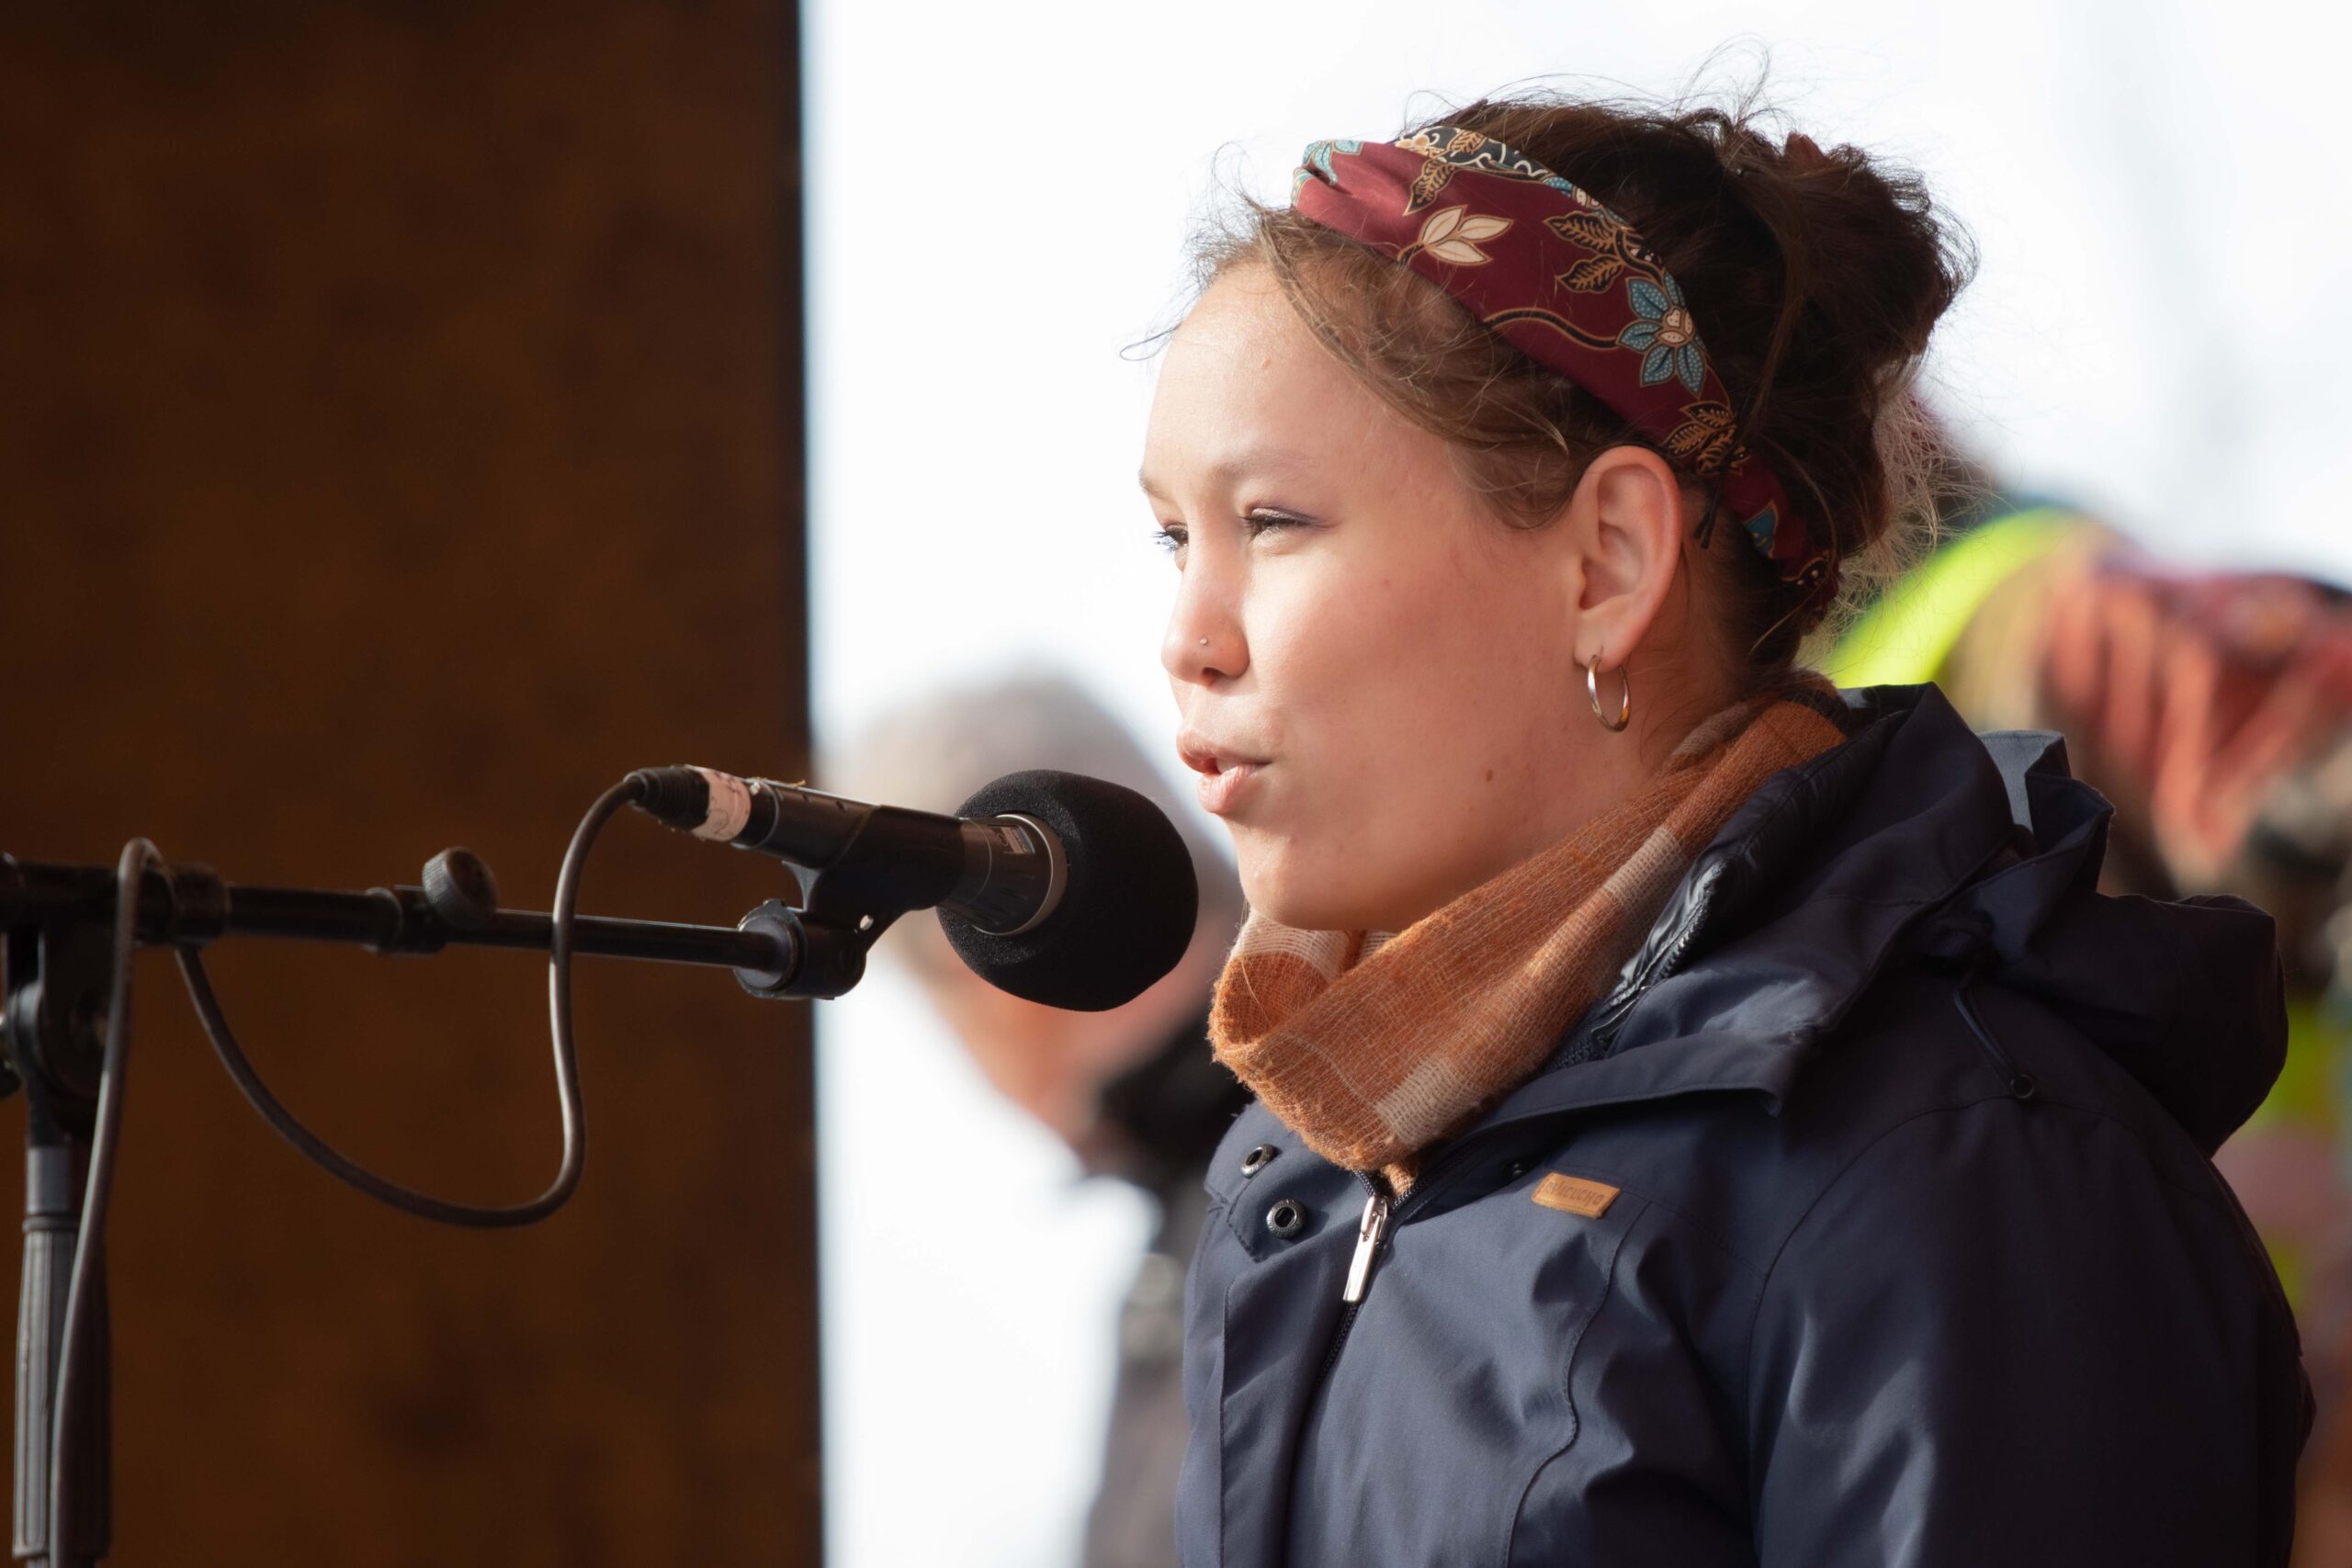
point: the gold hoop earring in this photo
(1592, 691)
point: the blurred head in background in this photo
(1075, 1072)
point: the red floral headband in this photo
(1570, 284)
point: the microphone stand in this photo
(59, 924)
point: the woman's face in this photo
(1378, 680)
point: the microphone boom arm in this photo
(191, 905)
(65, 1014)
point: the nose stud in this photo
(1205, 642)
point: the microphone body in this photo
(1059, 888)
(1004, 873)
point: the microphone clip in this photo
(821, 959)
(843, 909)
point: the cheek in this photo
(1411, 685)
(1418, 708)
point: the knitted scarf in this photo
(1371, 1046)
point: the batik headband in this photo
(1570, 284)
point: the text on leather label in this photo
(1575, 1195)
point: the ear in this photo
(1626, 516)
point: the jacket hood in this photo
(1919, 836)
(2187, 994)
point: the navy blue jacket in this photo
(1869, 1220)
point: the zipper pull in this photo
(1369, 1233)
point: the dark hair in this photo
(1814, 276)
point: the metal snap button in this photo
(1286, 1218)
(1256, 1159)
(1517, 1168)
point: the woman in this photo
(1704, 1118)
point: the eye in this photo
(1170, 539)
(1263, 522)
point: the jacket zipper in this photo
(1380, 1210)
(1372, 1231)
(1664, 966)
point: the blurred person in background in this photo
(1132, 1092)
(2215, 709)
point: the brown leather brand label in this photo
(1575, 1195)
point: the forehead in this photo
(1245, 387)
(1242, 322)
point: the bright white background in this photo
(997, 200)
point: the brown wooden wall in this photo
(399, 441)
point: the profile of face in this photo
(1378, 681)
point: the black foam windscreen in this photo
(1127, 909)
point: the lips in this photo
(1220, 793)
(1225, 772)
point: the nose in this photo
(1203, 642)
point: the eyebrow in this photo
(1267, 459)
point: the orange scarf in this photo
(1371, 1047)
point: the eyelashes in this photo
(1266, 522)
(1172, 540)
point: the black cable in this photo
(567, 1072)
(89, 1236)
(138, 857)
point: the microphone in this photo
(1059, 888)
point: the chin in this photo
(1288, 893)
